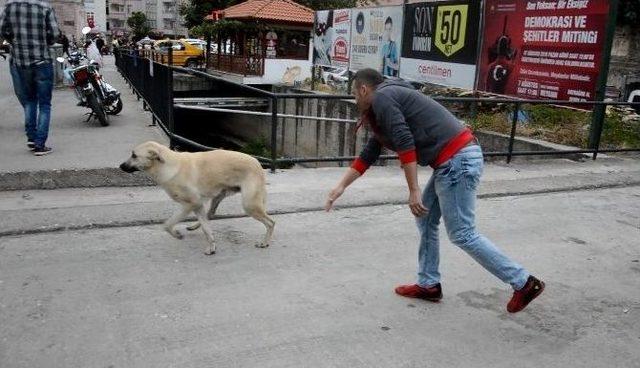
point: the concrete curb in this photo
(71, 178)
(238, 213)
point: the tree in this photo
(332, 4)
(138, 23)
(628, 12)
(194, 11)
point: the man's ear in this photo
(155, 156)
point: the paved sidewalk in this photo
(76, 144)
(299, 190)
(322, 294)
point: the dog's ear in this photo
(155, 156)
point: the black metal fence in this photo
(150, 81)
(156, 91)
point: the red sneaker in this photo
(432, 294)
(521, 298)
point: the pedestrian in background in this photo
(99, 44)
(64, 41)
(31, 27)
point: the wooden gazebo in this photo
(269, 30)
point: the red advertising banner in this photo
(543, 49)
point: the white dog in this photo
(192, 179)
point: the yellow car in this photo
(184, 53)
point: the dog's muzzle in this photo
(127, 168)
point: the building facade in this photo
(164, 17)
(71, 16)
(96, 15)
(118, 11)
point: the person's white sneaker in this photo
(41, 151)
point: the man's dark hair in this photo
(369, 77)
(388, 21)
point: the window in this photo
(178, 46)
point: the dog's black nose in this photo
(126, 168)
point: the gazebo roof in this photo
(271, 10)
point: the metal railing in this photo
(158, 96)
(152, 82)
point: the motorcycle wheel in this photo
(93, 103)
(114, 108)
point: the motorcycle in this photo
(90, 88)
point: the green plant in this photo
(260, 147)
(628, 12)
(257, 147)
(557, 124)
(495, 122)
(620, 133)
(138, 23)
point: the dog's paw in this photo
(210, 252)
(262, 245)
(194, 226)
(176, 234)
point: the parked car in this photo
(201, 44)
(184, 53)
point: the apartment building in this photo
(70, 15)
(96, 15)
(164, 17)
(118, 11)
(109, 17)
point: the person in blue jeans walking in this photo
(30, 26)
(423, 132)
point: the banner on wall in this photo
(543, 49)
(441, 42)
(331, 37)
(376, 39)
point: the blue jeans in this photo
(33, 86)
(451, 194)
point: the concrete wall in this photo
(303, 137)
(624, 71)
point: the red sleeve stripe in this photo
(359, 165)
(408, 156)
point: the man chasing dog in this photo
(423, 132)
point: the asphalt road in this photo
(322, 294)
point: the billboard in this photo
(376, 39)
(543, 49)
(331, 37)
(441, 42)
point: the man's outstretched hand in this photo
(332, 197)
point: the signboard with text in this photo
(543, 49)
(441, 42)
(376, 39)
(331, 37)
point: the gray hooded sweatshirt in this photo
(406, 120)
